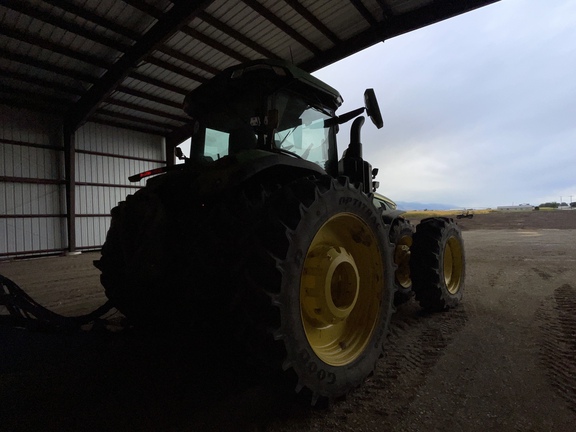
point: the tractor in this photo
(268, 238)
(466, 214)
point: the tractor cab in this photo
(264, 105)
(272, 106)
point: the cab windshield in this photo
(308, 139)
(300, 129)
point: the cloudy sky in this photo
(479, 110)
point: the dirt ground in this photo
(504, 360)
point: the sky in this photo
(479, 110)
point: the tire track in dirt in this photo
(415, 344)
(557, 320)
(542, 274)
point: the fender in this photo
(390, 216)
(212, 178)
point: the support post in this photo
(170, 146)
(70, 173)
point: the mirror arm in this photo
(346, 117)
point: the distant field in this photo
(492, 219)
(421, 214)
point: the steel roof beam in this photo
(144, 109)
(386, 9)
(129, 117)
(227, 30)
(41, 64)
(151, 10)
(143, 95)
(217, 24)
(187, 59)
(392, 27)
(364, 12)
(129, 126)
(313, 19)
(34, 12)
(214, 44)
(173, 68)
(283, 26)
(51, 46)
(23, 94)
(181, 13)
(158, 83)
(19, 76)
(430, 14)
(71, 7)
(96, 37)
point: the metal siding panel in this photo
(79, 228)
(17, 198)
(10, 235)
(3, 198)
(25, 191)
(18, 228)
(3, 235)
(26, 126)
(36, 233)
(91, 231)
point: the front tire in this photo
(437, 264)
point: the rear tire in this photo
(168, 258)
(134, 255)
(329, 282)
(295, 278)
(437, 264)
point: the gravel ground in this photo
(505, 360)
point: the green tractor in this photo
(269, 239)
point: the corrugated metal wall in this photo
(32, 180)
(32, 208)
(105, 157)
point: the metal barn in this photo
(91, 91)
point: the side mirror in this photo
(372, 108)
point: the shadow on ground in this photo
(132, 380)
(126, 380)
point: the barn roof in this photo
(130, 63)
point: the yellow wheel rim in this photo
(341, 289)
(402, 261)
(453, 265)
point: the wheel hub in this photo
(341, 289)
(453, 265)
(402, 261)
(331, 285)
